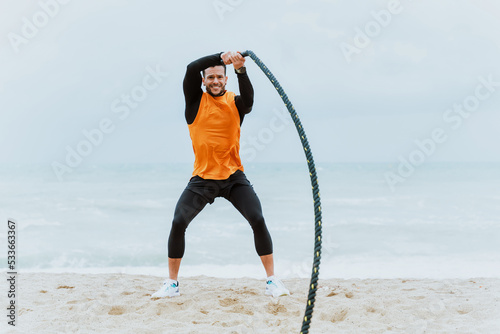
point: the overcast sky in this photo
(369, 79)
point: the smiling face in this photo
(215, 80)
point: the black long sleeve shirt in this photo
(193, 91)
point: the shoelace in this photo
(173, 285)
(272, 282)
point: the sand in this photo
(121, 303)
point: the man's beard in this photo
(222, 91)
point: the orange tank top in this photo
(215, 133)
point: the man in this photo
(214, 118)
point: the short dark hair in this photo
(223, 65)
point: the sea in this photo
(442, 221)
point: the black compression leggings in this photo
(243, 198)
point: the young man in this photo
(214, 118)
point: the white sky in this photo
(393, 92)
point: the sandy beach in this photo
(121, 303)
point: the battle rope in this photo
(315, 190)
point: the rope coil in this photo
(315, 190)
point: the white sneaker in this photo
(275, 287)
(170, 288)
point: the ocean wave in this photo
(30, 222)
(359, 201)
(345, 267)
(130, 204)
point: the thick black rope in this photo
(315, 190)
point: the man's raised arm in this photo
(244, 101)
(192, 83)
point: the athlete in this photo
(214, 118)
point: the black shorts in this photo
(210, 189)
(237, 190)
